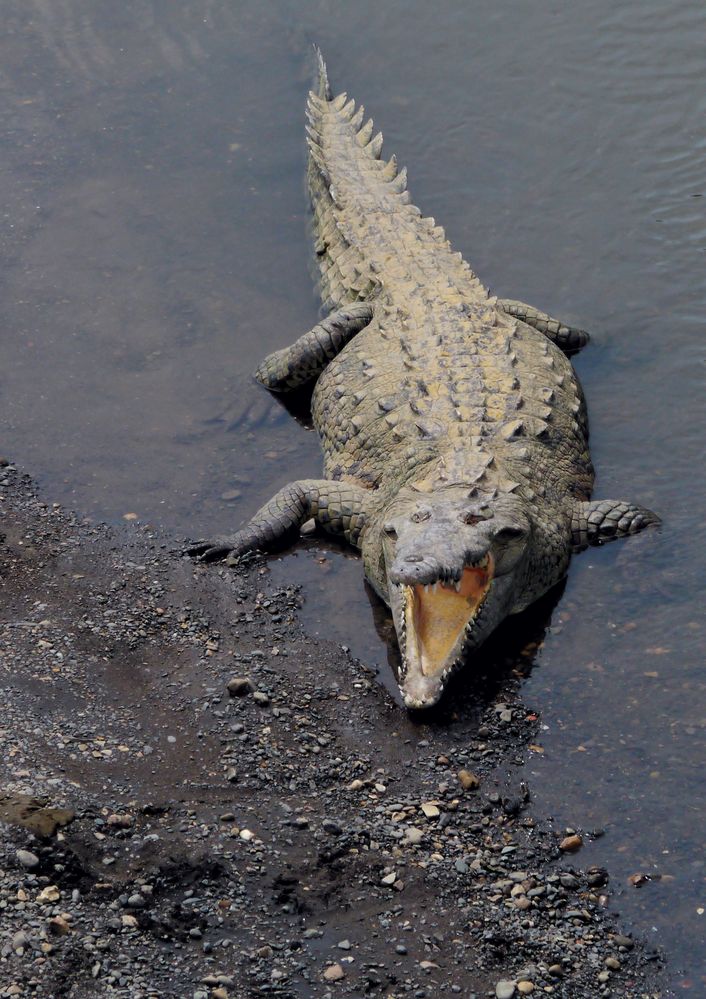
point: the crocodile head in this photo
(453, 568)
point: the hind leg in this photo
(304, 361)
(568, 338)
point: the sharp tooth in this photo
(458, 585)
(434, 587)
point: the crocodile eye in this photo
(470, 518)
(510, 534)
(419, 516)
(390, 531)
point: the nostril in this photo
(413, 558)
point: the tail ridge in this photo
(323, 87)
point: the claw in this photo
(209, 551)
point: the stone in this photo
(334, 973)
(570, 844)
(388, 879)
(525, 988)
(120, 821)
(27, 859)
(430, 810)
(239, 686)
(413, 836)
(261, 698)
(49, 894)
(468, 781)
(504, 990)
(59, 926)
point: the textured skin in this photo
(452, 423)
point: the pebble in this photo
(613, 963)
(239, 686)
(413, 836)
(59, 926)
(388, 879)
(525, 988)
(344, 945)
(505, 990)
(430, 810)
(400, 949)
(20, 940)
(620, 941)
(334, 973)
(261, 698)
(571, 843)
(49, 894)
(27, 859)
(468, 781)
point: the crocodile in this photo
(452, 422)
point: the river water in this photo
(153, 247)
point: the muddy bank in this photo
(198, 799)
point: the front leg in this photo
(598, 521)
(338, 507)
(304, 361)
(567, 338)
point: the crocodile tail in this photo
(323, 87)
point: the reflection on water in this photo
(153, 247)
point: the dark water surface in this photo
(153, 247)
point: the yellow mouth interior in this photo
(437, 614)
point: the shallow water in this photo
(153, 246)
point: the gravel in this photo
(238, 858)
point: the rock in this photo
(49, 894)
(556, 971)
(430, 810)
(400, 949)
(613, 963)
(468, 781)
(239, 686)
(603, 976)
(334, 973)
(505, 990)
(120, 821)
(27, 859)
(355, 785)
(261, 698)
(219, 993)
(413, 836)
(20, 940)
(525, 988)
(570, 844)
(344, 945)
(388, 879)
(59, 926)
(136, 901)
(620, 941)
(247, 835)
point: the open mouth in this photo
(437, 615)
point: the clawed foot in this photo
(214, 550)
